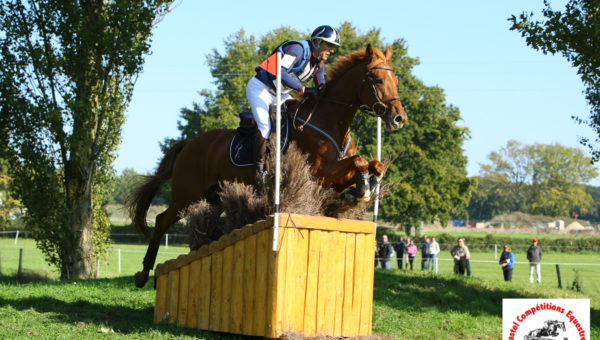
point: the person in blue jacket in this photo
(301, 61)
(507, 259)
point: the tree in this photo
(574, 33)
(67, 70)
(539, 179)
(430, 166)
(10, 207)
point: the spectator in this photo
(434, 249)
(507, 259)
(386, 252)
(400, 248)
(423, 246)
(376, 254)
(460, 253)
(534, 256)
(411, 250)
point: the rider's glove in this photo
(311, 91)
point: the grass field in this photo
(408, 305)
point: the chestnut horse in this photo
(362, 80)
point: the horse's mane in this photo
(346, 62)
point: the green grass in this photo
(407, 305)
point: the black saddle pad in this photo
(240, 149)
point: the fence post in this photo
(558, 275)
(20, 262)
(495, 251)
(436, 265)
(119, 260)
(17, 237)
(166, 241)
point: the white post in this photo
(17, 237)
(166, 241)
(376, 208)
(436, 265)
(495, 251)
(119, 260)
(277, 152)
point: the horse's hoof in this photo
(140, 279)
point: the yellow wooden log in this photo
(160, 305)
(359, 272)
(204, 303)
(215, 291)
(194, 295)
(367, 312)
(173, 295)
(299, 279)
(329, 293)
(365, 320)
(262, 279)
(249, 289)
(312, 281)
(184, 284)
(338, 254)
(287, 273)
(226, 289)
(275, 286)
(348, 324)
(237, 286)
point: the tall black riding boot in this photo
(260, 156)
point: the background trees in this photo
(67, 71)
(429, 170)
(574, 33)
(538, 179)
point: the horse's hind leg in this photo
(163, 221)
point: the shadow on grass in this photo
(414, 292)
(121, 319)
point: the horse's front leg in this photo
(376, 172)
(342, 174)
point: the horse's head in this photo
(379, 89)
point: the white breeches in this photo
(259, 99)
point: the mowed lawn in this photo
(408, 305)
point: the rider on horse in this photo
(300, 61)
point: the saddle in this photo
(241, 146)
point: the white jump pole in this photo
(277, 151)
(376, 208)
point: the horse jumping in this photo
(362, 80)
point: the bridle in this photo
(369, 110)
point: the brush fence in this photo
(319, 282)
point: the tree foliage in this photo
(537, 179)
(67, 70)
(429, 168)
(574, 33)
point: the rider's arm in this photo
(293, 54)
(319, 77)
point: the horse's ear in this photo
(370, 50)
(388, 53)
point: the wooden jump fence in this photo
(319, 282)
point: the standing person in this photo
(386, 251)
(301, 61)
(400, 248)
(434, 249)
(460, 253)
(534, 256)
(376, 254)
(411, 250)
(423, 247)
(507, 259)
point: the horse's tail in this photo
(138, 202)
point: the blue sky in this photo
(504, 89)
